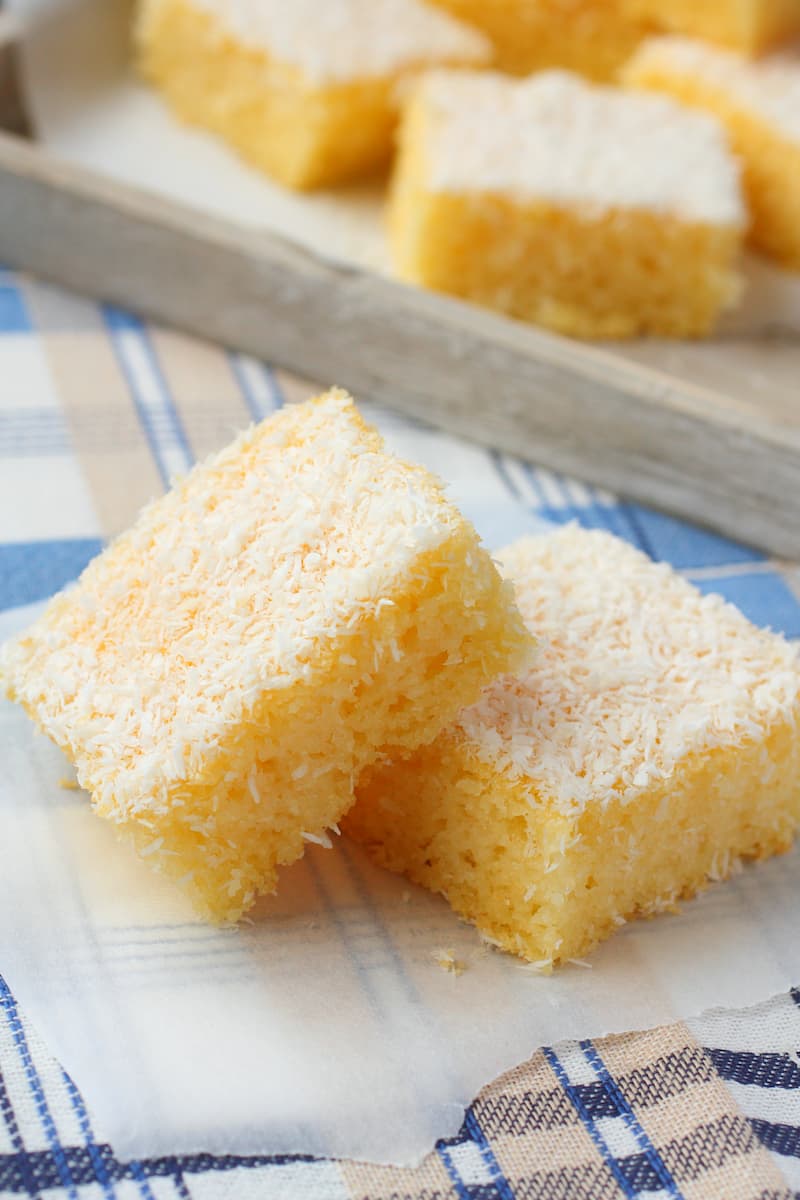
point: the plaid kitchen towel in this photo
(97, 411)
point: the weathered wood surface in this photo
(12, 109)
(727, 455)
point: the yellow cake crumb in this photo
(295, 607)
(750, 26)
(759, 105)
(306, 91)
(446, 959)
(579, 207)
(592, 37)
(652, 745)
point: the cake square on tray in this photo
(588, 209)
(307, 90)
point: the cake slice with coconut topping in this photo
(759, 105)
(295, 607)
(591, 210)
(307, 90)
(651, 746)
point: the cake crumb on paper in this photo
(446, 959)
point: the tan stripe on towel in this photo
(203, 388)
(690, 1116)
(99, 413)
(430, 1180)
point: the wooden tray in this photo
(716, 438)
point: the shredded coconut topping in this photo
(555, 137)
(229, 587)
(768, 87)
(333, 41)
(636, 670)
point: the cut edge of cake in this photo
(750, 27)
(592, 37)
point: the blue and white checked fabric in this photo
(97, 411)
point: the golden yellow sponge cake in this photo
(293, 608)
(591, 210)
(304, 89)
(759, 105)
(751, 26)
(651, 745)
(592, 37)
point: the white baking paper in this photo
(326, 1026)
(87, 107)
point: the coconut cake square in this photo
(649, 748)
(306, 90)
(294, 608)
(591, 210)
(758, 103)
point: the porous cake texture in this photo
(652, 745)
(306, 90)
(592, 37)
(750, 26)
(759, 105)
(594, 211)
(293, 608)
